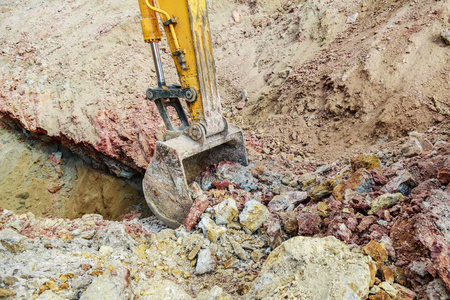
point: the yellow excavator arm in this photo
(207, 138)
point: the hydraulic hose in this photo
(172, 30)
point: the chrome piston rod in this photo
(158, 64)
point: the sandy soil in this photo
(50, 181)
(320, 85)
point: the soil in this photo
(321, 86)
(50, 181)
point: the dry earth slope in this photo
(309, 78)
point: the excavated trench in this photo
(48, 180)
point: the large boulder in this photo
(316, 268)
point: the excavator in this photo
(190, 144)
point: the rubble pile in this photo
(375, 227)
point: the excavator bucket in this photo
(191, 147)
(175, 165)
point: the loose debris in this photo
(381, 220)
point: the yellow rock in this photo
(376, 250)
(323, 190)
(368, 162)
(140, 251)
(322, 207)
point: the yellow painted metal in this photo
(171, 28)
(188, 78)
(192, 29)
(149, 23)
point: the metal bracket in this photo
(162, 104)
(170, 21)
(171, 92)
(181, 58)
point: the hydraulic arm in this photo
(206, 138)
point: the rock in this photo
(234, 225)
(323, 190)
(315, 268)
(418, 268)
(196, 190)
(352, 18)
(388, 288)
(10, 280)
(306, 181)
(389, 246)
(161, 290)
(436, 290)
(272, 227)
(198, 207)
(257, 255)
(412, 148)
(222, 185)
(6, 293)
(244, 95)
(238, 250)
(240, 106)
(286, 202)
(87, 235)
(376, 251)
(105, 250)
(80, 283)
(380, 295)
(400, 276)
(309, 221)
(193, 253)
(289, 222)
(238, 174)
(211, 230)
(231, 263)
(50, 295)
(374, 290)
(296, 197)
(340, 231)
(361, 182)
(236, 16)
(404, 293)
(322, 208)
(445, 35)
(116, 236)
(368, 162)
(215, 293)
(403, 183)
(280, 203)
(440, 254)
(253, 216)
(114, 284)
(365, 223)
(206, 262)
(387, 274)
(444, 176)
(225, 211)
(12, 241)
(385, 201)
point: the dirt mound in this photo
(309, 78)
(325, 77)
